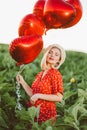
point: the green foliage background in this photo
(72, 112)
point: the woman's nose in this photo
(52, 54)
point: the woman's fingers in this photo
(18, 78)
(32, 102)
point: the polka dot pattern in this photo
(51, 83)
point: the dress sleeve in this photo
(57, 82)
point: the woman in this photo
(47, 88)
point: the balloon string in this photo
(18, 104)
(21, 69)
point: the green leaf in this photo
(68, 94)
(33, 111)
(75, 112)
(83, 127)
(82, 93)
(3, 123)
(10, 101)
(49, 128)
(22, 115)
(36, 126)
(20, 126)
(69, 119)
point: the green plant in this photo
(72, 111)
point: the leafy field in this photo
(72, 112)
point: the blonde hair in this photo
(62, 58)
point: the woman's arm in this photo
(52, 97)
(48, 97)
(26, 87)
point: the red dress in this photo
(51, 83)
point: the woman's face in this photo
(54, 56)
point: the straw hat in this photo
(63, 56)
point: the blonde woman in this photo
(47, 88)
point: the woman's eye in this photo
(50, 52)
(56, 54)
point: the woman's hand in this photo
(19, 79)
(34, 98)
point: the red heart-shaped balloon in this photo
(26, 48)
(77, 5)
(38, 9)
(58, 13)
(30, 25)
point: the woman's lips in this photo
(51, 58)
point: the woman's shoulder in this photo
(54, 71)
(39, 73)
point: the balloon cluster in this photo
(46, 15)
